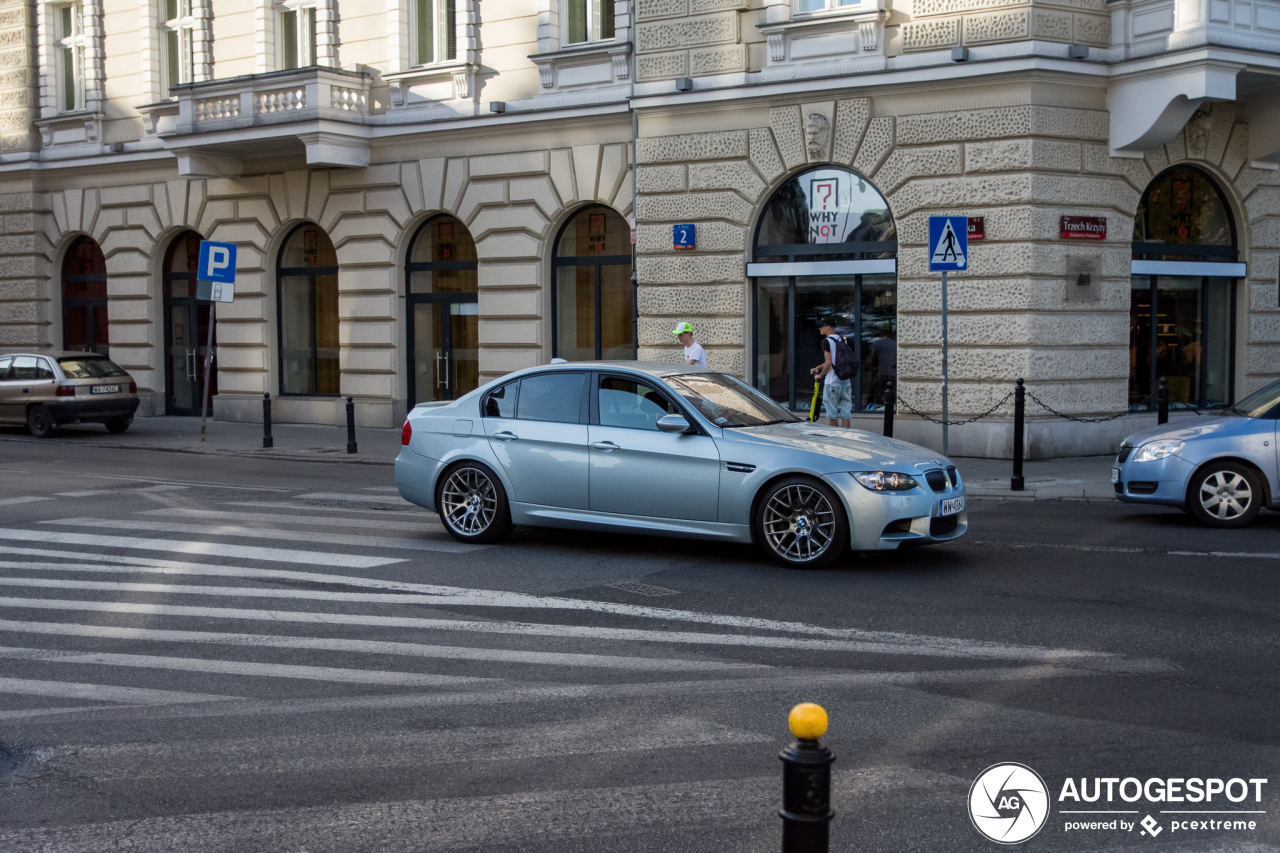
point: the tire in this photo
(117, 425)
(473, 504)
(39, 423)
(801, 523)
(1225, 494)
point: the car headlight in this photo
(885, 481)
(1153, 450)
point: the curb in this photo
(242, 454)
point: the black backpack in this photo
(846, 361)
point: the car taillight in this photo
(133, 387)
(65, 391)
(406, 434)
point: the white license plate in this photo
(1115, 475)
(105, 389)
(951, 506)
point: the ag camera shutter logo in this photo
(1008, 803)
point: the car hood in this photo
(868, 450)
(1216, 427)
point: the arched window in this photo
(186, 330)
(441, 291)
(307, 291)
(826, 245)
(593, 301)
(1182, 293)
(84, 298)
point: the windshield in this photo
(1260, 402)
(726, 402)
(89, 367)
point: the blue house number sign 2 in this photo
(683, 237)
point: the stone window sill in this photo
(452, 79)
(828, 34)
(78, 128)
(589, 65)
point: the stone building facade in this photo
(455, 198)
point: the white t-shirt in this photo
(695, 352)
(831, 374)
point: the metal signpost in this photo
(948, 251)
(216, 282)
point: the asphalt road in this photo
(219, 654)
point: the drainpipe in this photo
(635, 201)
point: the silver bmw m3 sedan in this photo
(671, 450)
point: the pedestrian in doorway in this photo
(839, 364)
(884, 352)
(694, 354)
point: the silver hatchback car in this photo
(1222, 470)
(646, 447)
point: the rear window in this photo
(551, 397)
(89, 367)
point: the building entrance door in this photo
(186, 342)
(443, 346)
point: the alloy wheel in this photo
(1225, 495)
(799, 523)
(468, 501)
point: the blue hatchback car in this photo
(1221, 469)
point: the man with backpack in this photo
(839, 364)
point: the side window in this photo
(4, 367)
(24, 368)
(501, 402)
(43, 370)
(551, 397)
(624, 403)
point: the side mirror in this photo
(674, 423)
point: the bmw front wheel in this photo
(472, 504)
(801, 523)
(1225, 494)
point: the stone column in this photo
(19, 95)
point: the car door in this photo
(7, 413)
(536, 427)
(637, 469)
(18, 387)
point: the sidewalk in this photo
(1085, 478)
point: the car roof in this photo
(57, 353)
(653, 368)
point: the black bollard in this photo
(351, 426)
(1016, 482)
(806, 783)
(890, 405)
(1162, 401)
(267, 441)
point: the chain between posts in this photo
(986, 414)
(1041, 403)
(1051, 410)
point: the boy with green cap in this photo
(693, 352)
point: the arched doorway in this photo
(826, 245)
(307, 299)
(84, 298)
(186, 330)
(1182, 293)
(593, 301)
(443, 307)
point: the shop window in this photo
(84, 298)
(307, 282)
(434, 31)
(587, 20)
(1181, 321)
(593, 297)
(443, 312)
(826, 245)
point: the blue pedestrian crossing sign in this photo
(948, 243)
(217, 262)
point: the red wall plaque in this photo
(1083, 228)
(977, 227)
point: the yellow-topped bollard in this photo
(806, 783)
(808, 721)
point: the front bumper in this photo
(81, 411)
(884, 521)
(1162, 482)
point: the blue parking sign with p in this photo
(948, 243)
(217, 262)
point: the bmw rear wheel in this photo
(472, 504)
(1225, 494)
(801, 523)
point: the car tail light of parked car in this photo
(65, 391)
(406, 434)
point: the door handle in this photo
(448, 378)
(439, 372)
(505, 436)
(606, 446)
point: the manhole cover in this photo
(643, 589)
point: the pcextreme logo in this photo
(1008, 803)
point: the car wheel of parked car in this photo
(39, 423)
(472, 503)
(117, 425)
(1225, 494)
(801, 523)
